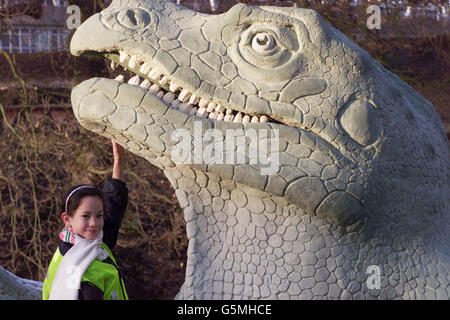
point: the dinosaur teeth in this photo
(228, 118)
(202, 112)
(134, 61)
(154, 88)
(220, 108)
(184, 95)
(120, 78)
(145, 84)
(173, 87)
(145, 68)
(194, 99)
(203, 103)
(154, 75)
(164, 80)
(134, 80)
(213, 115)
(238, 117)
(211, 107)
(123, 56)
(178, 97)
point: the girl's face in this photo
(87, 220)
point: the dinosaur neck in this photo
(244, 243)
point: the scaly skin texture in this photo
(15, 288)
(364, 167)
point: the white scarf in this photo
(74, 263)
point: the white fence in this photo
(34, 39)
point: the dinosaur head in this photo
(348, 131)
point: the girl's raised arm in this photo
(119, 160)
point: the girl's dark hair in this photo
(75, 198)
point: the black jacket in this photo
(115, 196)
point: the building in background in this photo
(25, 34)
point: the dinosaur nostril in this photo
(134, 18)
(108, 20)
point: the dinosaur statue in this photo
(15, 288)
(357, 204)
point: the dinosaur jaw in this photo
(113, 44)
(145, 124)
(136, 72)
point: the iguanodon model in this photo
(357, 205)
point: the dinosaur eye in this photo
(267, 46)
(134, 18)
(263, 42)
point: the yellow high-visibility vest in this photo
(103, 275)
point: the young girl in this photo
(83, 266)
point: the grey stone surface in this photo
(15, 288)
(364, 168)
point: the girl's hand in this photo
(119, 160)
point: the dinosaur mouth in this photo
(134, 71)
